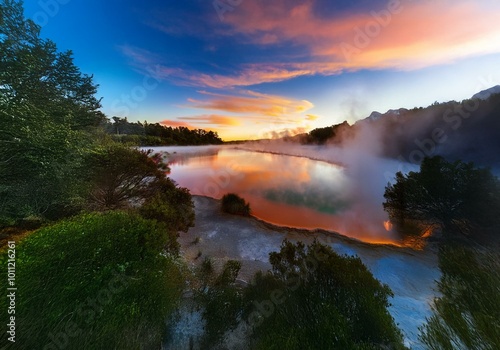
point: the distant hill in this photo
(468, 130)
(485, 94)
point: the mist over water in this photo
(293, 185)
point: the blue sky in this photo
(246, 68)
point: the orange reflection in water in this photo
(276, 187)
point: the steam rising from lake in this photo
(292, 185)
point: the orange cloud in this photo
(252, 102)
(212, 119)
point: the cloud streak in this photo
(213, 119)
(245, 108)
(410, 35)
(251, 102)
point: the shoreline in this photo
(322, 232)
(411, 274)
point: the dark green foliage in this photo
(170, 204)
(454, 196)
(333, 134)
(40, 158)
(467, 315)
(146, 134)
(316, 299)
(34, 74)
(45, 104)
(104, 277)
(221, 300)
(234, 204)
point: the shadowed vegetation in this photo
(234, 204)
(467, 315)
(452, 196)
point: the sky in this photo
(252, 69)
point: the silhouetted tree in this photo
(453, 196)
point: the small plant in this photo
(234, 204)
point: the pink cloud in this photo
(404, 35)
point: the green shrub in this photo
(315, 299)
(98, 281)
(467, 314)
(120, 177)
(170, 204)
(234, 204)
(220, 299)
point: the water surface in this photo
(284, 190)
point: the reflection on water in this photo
(284, 190)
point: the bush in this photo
(234, 204)
(456, 197)
(220, 299)
(467, 314)
(316, 299)
(120, 177)
(170, 204)
(98, 281)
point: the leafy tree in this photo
(467, 314)
(315, 299)
(234, 204)
(34, 73)
(448, 195)
(45, 103)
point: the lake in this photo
(285, 190)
